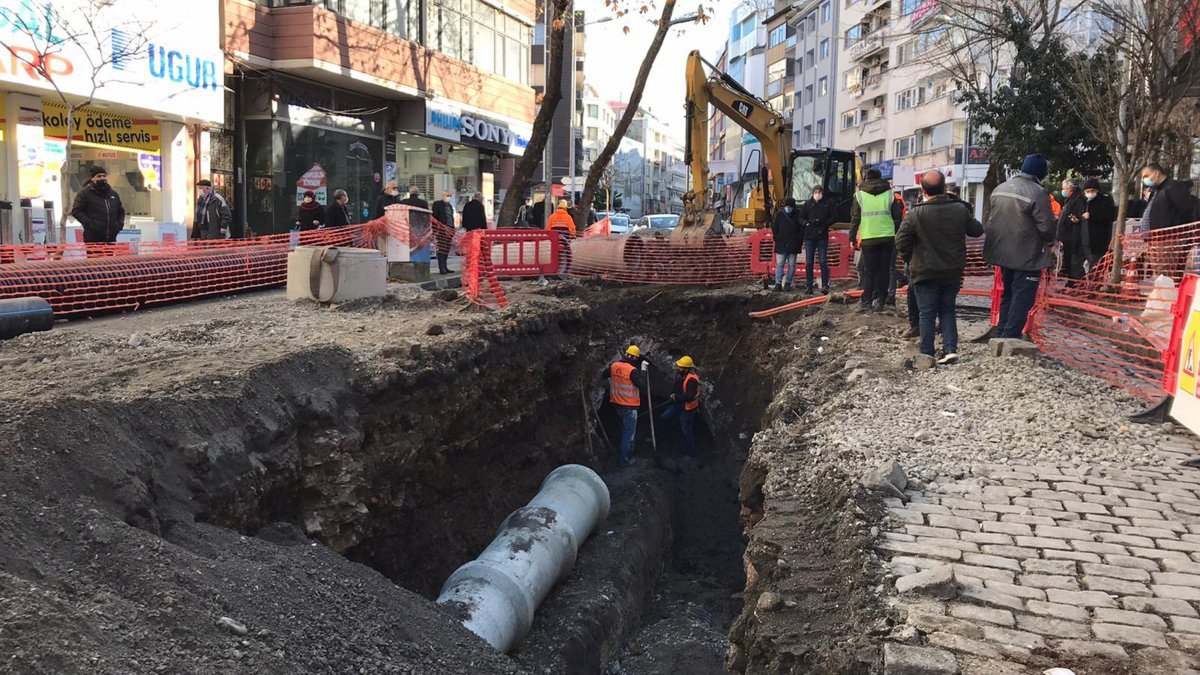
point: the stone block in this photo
(1160, 606)
(996, 346)
(1044, 542)
(1019, 348)
(918, 549)
(937, 582)
(924, 362)
(982, 573)
(1124, 539)
(1016, 638)
(1185, 624)
(907, 516)
(928, 622)
(1147, 532)
(1098, 547)
(1177, 592)
(991, 598)
(1015, 590)
(1081, 556)
(1088, 649)
(1177, 579)
(986, 538)
(1001, 617)
(1063, 533)
(1013, 529)
(909, 660)
(1009, 551)
(953, 522)
(1049, 566)
(1115, 586)
(1049, 581)
(888, 478)
(958, 643)
(1132, 561)
(1027, 519)
(1057, 611)
(1080, 598)
(1117, 572)
(926, 531)
(1053, 627)
(1143, 619)
(1133, 635)
(1181, 567)
(985, 560)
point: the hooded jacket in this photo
(933, 238)
(786, 231)
(99, 211)
(817, 217)
(875, 187)
(1019, 226)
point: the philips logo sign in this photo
(445, 120)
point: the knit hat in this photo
(1091, 184)
(1036, 165)
(96, 170)
(204, 182)
(310, 194)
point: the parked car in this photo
(657, 224)
(618, 223)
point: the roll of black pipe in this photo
(24, 315)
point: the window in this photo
(823, 86)
(910, 98)
(942, 135)
(824, 49)
(820, 131)
(593, 133)
(800, 64)
(851, 79)
(811, 58)
(777, 36)
(777, 70)
(807, 137)
(825, 13)
(907, 7)
(854, 35)
(904, 147)
(850, 119)
(470, 30)
(593, 111)
(812, 22)
(808, 94)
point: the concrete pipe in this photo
(495, 595)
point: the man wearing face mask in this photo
(816, 216)
(98, 209)
(391, 195)
(1098, 217)
(1170, 201)
(1070, 226)
(787, 232)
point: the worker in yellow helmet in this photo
(626, 379)
(685, 401)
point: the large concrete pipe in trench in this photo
(496, 594)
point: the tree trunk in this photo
(552, 94)
(1121, 183)
(635, 99)
(990, 182)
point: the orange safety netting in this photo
(480, 283)
(1119, 331)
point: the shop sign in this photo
(487, 134)
(151, 167)
(315, 179)
(443, 122)
(438, 158)
(153, 56)
(31, 145)
(102, 128)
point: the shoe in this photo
(777, 288)
(877, 305)
(825, 291)
(625, 463)
(948, 359)
(912, 332)
(890, 302)
(863, 309)
(787, 287)
(809, 291)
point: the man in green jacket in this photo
(933, 241)
(874, 216)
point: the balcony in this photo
(868, 46)
(872, 131)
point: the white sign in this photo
(443, 122)
(166, 60)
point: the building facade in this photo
(733, 152)
(816, 52)
(350, 94)
(160, 83)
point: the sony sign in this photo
(486, 134)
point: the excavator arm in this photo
(743, 109)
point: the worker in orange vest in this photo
(626, 379)
(561, 219)
(685, 401)
(1055, 207)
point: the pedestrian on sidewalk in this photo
(1098, 216)
(391, 195)
(874, 217)
(213, 216)
(338, 215)
(1019, 240)
(443, 230)
(933, 241)
(414, 198)
(787, 232)
(685, 402)
(626, 380)
(817, 214)
(474, 217)
(98, 209)
(1070, 228)
(310, 215)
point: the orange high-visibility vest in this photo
(694, 403)
(1055, 207)
(621, 389)
(561, 220)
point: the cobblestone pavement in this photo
(1013, 569)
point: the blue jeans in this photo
(1020, 292)
(816, 249)
(628, 432)
(785, 260)
(935, 300)
(687, 424)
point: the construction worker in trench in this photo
(685, 402)
(626, 380)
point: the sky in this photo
(613, 57)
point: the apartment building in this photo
(732, 150)
(650, 166)
(812, 47)
(899, 110)
(597, 124)
(349, 94)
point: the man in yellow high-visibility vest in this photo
(874, 217)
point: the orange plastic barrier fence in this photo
(480, 283)
(525, 253)
(840, 256)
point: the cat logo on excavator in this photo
(742, 108)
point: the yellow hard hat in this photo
(633, 351)
(562, 204)
(686, 362)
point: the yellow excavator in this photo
(783, 172)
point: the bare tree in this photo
(631, 109)
(1133, 93)
(551, 96)
(37, 40)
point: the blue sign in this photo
(886, 168)
(445, 120)
(165, 63)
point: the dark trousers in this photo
(443, 266)
(816, 249)
(893, 275)
(1020, 292)
(687, 425)
(935, 300)
(914, 312)
(876, 259)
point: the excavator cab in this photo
(836, 170)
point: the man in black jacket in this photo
(1170, 201)
(443, 212)
(414, 198)
(1098, 216)
(933, 241)
(212, 217)
(816, 216)
(1070, 228)
(391, 195)
(787, 233)
(98, 209)
(474, 217)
